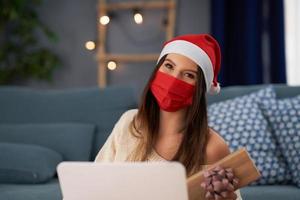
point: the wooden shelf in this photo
(143, 5)
(129, 57)
(103, 56)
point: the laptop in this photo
(122, 180)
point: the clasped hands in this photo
(220, 184)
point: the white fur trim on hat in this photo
(195, 53)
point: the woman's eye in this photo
(168, 66)
(189, 75)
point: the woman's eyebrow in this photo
(167, 59)
(192, 71)
(195, 71)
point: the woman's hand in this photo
(220, 184)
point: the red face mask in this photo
(171, 93)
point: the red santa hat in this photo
(204, 50)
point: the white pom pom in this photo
(215, 89)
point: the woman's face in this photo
(180, 67)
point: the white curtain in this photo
(292, 40)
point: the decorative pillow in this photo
(72, 140)
(242, 124)
(284, 118)
(23, 163)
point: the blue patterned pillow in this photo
(284, 118)
(241, 123)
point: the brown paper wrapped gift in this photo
(241, 163)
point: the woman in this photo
(171, 121)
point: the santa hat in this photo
(204, 50)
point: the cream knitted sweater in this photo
(120, 144)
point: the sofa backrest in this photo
(230, 92)
(102, 107)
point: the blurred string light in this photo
(111, 65)
(104, 20)
(137, 15)
(90, 45)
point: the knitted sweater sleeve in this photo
(108, 151)
(116, 146)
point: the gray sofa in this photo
(100, 108)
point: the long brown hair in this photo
(145, 126)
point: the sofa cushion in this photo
(270, 192)
(44, 191)
(72, 140)
(94, 105)
(242, 124)
(24, 163)
(284, 118)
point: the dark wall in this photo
(74, 21)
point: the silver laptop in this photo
(122, 181)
